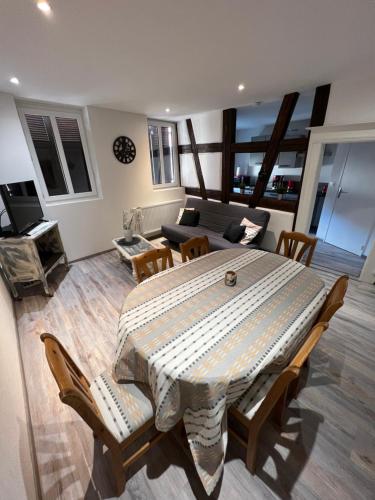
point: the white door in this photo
(353, 215)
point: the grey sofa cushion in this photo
(179, 234)
(216, 216)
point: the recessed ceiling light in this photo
(14, 80)
(241, 87)
(167, 110)
(44, 7)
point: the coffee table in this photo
(127, 251)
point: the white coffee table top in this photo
(130, 250)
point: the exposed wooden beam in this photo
(208, 147)
(284, 205)
(319, 110)
(198, 168)
(297, 144)
(214, 194)
(318, 116)
(278, 133)
(227, 162)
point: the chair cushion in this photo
(124, 407)
(250, 401)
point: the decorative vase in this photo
(128, 235)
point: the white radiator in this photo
(160, 213)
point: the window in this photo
(285, 179)
(163, 153)
(59, 151)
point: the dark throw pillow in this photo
(234, 232)
(189, 218)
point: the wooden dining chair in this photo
(266, 395)
(152, 262)
(334, 300)
(193, 248)
(291, 241)
(118, 414)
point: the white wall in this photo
(279, 221)
(87, 227)
(16, 471)
(207, 128)
(352, 100)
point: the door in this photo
(353, 214)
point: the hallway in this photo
(328, 257)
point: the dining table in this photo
(200, 344)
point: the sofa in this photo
(214, 218)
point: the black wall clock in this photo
(124, 149)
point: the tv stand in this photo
(27, 258)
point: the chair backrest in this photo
(310, 342)
(193, 248)
(152, 262)
(290, 373)
(74, 387)
(291, 241)
(334, 300)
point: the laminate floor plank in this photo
(326, 447)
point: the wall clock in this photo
(124, 149)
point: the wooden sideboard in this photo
(28, 258)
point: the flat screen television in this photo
(22, 205)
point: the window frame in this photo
(52, 113)
(159, 124)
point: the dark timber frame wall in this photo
(271, 148)
(197, 162)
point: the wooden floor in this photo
(326, 449)
(328, 257)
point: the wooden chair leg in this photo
(251, 453)
(294, 388)
(278, 412)
(119, 472)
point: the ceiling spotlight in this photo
(167, 110)
(14, 80)
(44, 7)
(241, 87)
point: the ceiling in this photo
(188, 55)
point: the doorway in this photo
(344, 211)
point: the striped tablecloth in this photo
(200, 344)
